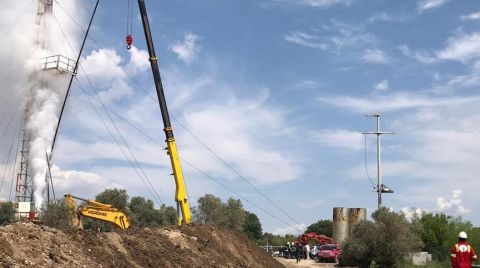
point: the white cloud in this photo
(103, 65)
(340, 138)
(296, 229)
(473, 16)
(306, 40)
(454, 204)
(462, 48)
(375, 56)
(385, 17)
(420, 56)
(394, 102)
(237, 138)
(315, 3)
(311, 204)
(76, 182)
(335, 37)
(138, 61)
(430, 4)
(188, 49)
(382, 86)
(412, 213)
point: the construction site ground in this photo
(31, 245)
(291, 263)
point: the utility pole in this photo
(381, 188)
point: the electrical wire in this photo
(8, 124)
(201, 171)
(150, 188)
(14, 165)
(18, 18)
(7, 158)
(366, 165)
(155, 194)
(203, 143)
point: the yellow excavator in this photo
(96, 210)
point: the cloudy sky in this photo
(278, 90)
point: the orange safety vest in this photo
(462, 255)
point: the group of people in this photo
(463, 254)
(294, 250)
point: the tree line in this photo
(384, 241)
(142, 213)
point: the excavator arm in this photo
(97, 210)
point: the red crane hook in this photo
(129, 40)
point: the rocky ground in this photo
(30, 245)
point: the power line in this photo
(18, 18)
(8, 124)
(153, 191)
(366, 166)
(201, 142)
(14, 165)
(7, 158)
(201, 171)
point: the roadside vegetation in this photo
(7, 213)
(384, 241)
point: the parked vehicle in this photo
(314, 251)
(329, 252)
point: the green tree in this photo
(118, 198)
(439, 232)
(386, 241)
(210, 210)
(143, 213)
(169, 215)
(321, 227)
(58, 214)
(7, 213)
(234, 214)
(276, 240)
(252, 228)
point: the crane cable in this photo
(145, 135)
(129, 38)
(152, 191)
(183, 126)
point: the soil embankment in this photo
(30, 245)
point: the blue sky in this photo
(278, 89)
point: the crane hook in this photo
(129, 40)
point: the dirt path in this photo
(290, 263)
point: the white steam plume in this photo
(26, 85)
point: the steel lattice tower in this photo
(24, 186)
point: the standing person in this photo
(298, 251)
(462, 253)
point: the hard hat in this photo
(463, 235)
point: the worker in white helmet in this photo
(463, 253)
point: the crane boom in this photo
(181, 190)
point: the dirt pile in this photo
(26, 244)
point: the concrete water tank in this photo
(355, 215)
(340, 224)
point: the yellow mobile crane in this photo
(181, 190)
(96, 210)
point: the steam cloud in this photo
(25, 85)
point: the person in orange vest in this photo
(462, 253)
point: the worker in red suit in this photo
(463, 253)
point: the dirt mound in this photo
(26, 244)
